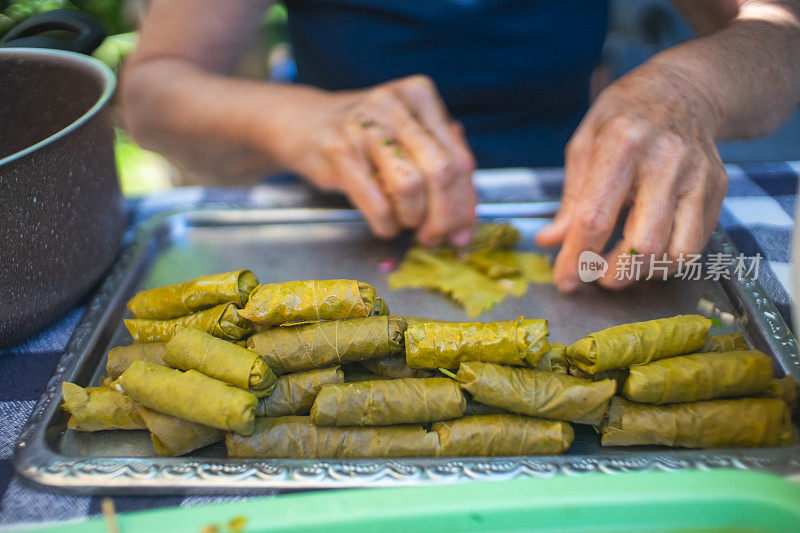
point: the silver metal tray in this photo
(287, 244)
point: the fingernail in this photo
(461, 238)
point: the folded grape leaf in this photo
(423, 268)
(494, 235)
(513, 270)
(479, 277)
(495, 264)
(535, 267)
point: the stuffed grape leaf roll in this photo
(191, 348)
(446, 344)
(739, 423)
(388, 401)
(223, 321)
(190, 395)
(502, 434)
(296, 437)
(121, 357)
(701, 376)
(555, 360)
(639, 342)
(537, 392)
(180, 299)
(294, 394)
(99, 409)
(309, 346)
(309, 301)
(173, 436)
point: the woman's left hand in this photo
(647, 141)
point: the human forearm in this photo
(391, 148)
(205, 121)
(746, 75)
(175, 95)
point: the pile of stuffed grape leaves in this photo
(321, 369)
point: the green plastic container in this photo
(687, 501)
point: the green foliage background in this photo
(108, 12)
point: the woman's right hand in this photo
(392, 149)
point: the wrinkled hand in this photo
(647, 141)
(394, 151)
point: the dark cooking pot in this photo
(61, 212)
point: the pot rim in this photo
(109, 84)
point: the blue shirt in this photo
(514, 72)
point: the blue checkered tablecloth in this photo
(757, 213)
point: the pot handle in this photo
(88, 32)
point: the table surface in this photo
(757, 213)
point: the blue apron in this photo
(514, 72)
